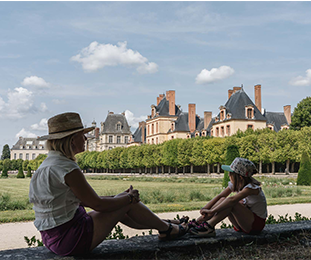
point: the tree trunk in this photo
(176, 170)
(218, 168)
(123, 170)
(208, 168)
(273, 167)
(163, 169)
(260, 167)
(287, 167)
(169, 169)
(191, 168)
(183, 169)
(139, 170)
(157, 170)
(146, 171)
(268, 168)
(293, 167)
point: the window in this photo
(188, 136)
(110, 148)
(27, 156)
(222, 131)
(152, 141)
(157, 127)
(33, 156)
(250, 127)
(110, 139)
(217, 131)
(212, 132)
(172, 137)
(203, 133)
(157, 140)
(249, 113)
(20, 156)
(148, 129)
(118, 139)
(118, 127)
(196, 134)
(126, 139)
(222, 117)
(172, 126)
(15, 156)
(228, 130)
(152, 129)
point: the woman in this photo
(59, 192)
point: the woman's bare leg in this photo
(137, 213)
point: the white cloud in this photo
(215, 74)
(97, 56)
(20, 102)
(25, 133)
(132, 120)
(35, 81)
(42, 126)
(59, 101)
(302, 81)
(43, 107)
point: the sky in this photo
(95, 57)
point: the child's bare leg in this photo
(208, 217)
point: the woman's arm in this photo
(231, 201)
(89, 198)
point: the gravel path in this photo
(12, 234)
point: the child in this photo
(247, 210)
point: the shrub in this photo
(20, 173)
(28, 172)
(4, 172)
(304, 173)
(231, 153)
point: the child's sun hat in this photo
(241, 166)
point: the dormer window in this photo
(153, 111)
(203, 133)
(286, 127)
(249, 112)
(196, 134)
(188, 136)
(216, 119)
(172, 126)
(228, 116)
(118, 126)
(270, 126)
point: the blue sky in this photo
(95, 57)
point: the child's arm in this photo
(225, 193)
(231, 201)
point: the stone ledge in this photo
(146, 247)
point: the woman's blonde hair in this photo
(247, 180)
(62, 145)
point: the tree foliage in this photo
(231, 153)
(20, 173)
(6, 152)
(302, 114)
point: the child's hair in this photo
(62, 145)
(247, 180)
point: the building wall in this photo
(235, 125)
(32, 153)
(104, 143)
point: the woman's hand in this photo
(206, 212)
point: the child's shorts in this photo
(71, 238)
(257, 226)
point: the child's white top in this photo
(54, 202)
(256, 203)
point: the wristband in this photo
(130, 197)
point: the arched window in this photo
(152, 129)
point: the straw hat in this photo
(63, 125)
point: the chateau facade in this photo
(114, 132)
(167, 121)
(28, 149)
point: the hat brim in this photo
(226, 168)
(65, 134)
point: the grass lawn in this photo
(159, 194)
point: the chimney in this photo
(142, 125)
(191, 117)
(207, 118)
(96, 132)
(170, 95)
(230, 92)
(235, 89)
(288, 113)
(258, 97)
(159, 98)
(110, 113)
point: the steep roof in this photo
(110, 124)
(236, 106)
(137, 135)
(277, 119)
(28, 142)
(163, 108)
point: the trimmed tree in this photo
(4, 172)
(304, 173)
(302, 114)
(20, 173)
(29, 172)
(231, 153)
(6, 152)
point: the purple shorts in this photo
(71, 238)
